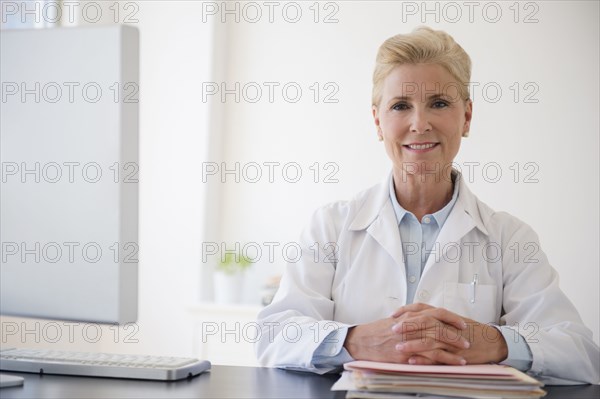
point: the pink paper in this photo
(472, 369)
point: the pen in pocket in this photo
(474, 287)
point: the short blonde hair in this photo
(422, 46)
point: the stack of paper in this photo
(364, 379)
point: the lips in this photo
(421, 146)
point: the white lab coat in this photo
(364, 279)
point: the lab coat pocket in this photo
(459, 299)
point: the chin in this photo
(427, 170)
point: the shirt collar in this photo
(439, 216)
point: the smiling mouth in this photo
(424, 146)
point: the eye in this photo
(401, 106)
(440, 104)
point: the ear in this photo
(468, 117)
(375, 111)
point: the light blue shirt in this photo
(418, 239)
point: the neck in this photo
(422, 194)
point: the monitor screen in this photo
(69, 173)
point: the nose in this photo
(420, 121)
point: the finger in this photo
(425, 344)
(441, 314)
(418, 345)
(421, 360)
(438, 356)
(419, 321)
(425, 326)
(413, 307)
(447, 317)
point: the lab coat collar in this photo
(377, 203)
(469, 204)
(375, 199)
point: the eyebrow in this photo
(433, 96)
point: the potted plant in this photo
(229, 277)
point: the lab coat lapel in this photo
(377, 216)
(461, 220)
(458, 224)
(384, 230)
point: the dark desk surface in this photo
(220, 382)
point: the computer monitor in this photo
(69, 173)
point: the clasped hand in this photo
(423, 334)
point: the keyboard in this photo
(43, 361)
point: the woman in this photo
(417, 269)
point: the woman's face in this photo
(422, 118)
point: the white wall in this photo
(558, 134)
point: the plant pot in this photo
(228, 287)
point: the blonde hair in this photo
(422, 46)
